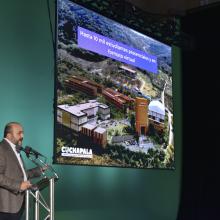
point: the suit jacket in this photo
(11, 176)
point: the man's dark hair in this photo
(8, 128)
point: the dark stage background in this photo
(200, 61)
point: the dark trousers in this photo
(12, 216)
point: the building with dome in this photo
(156, 115)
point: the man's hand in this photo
(25, 185)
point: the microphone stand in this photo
(35, 190)
(41, 164)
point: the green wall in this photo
(26, 94)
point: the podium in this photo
(48, 181)
(35, 192)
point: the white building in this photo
(76, 116)
(156, 114)
(104, 111)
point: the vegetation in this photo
(72, 99)
(153, 159)
(116, 113)
(169, 157)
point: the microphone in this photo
(28, 150)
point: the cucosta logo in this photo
(76, 152)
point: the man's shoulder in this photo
(4, 148)
(3, 144)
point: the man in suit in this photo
(14, 179)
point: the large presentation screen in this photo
(113, 93)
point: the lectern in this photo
(48, 181)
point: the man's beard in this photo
(17, 142)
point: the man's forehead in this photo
(17, 127)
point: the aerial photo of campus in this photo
(109, 112)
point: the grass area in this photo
(115, 131)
